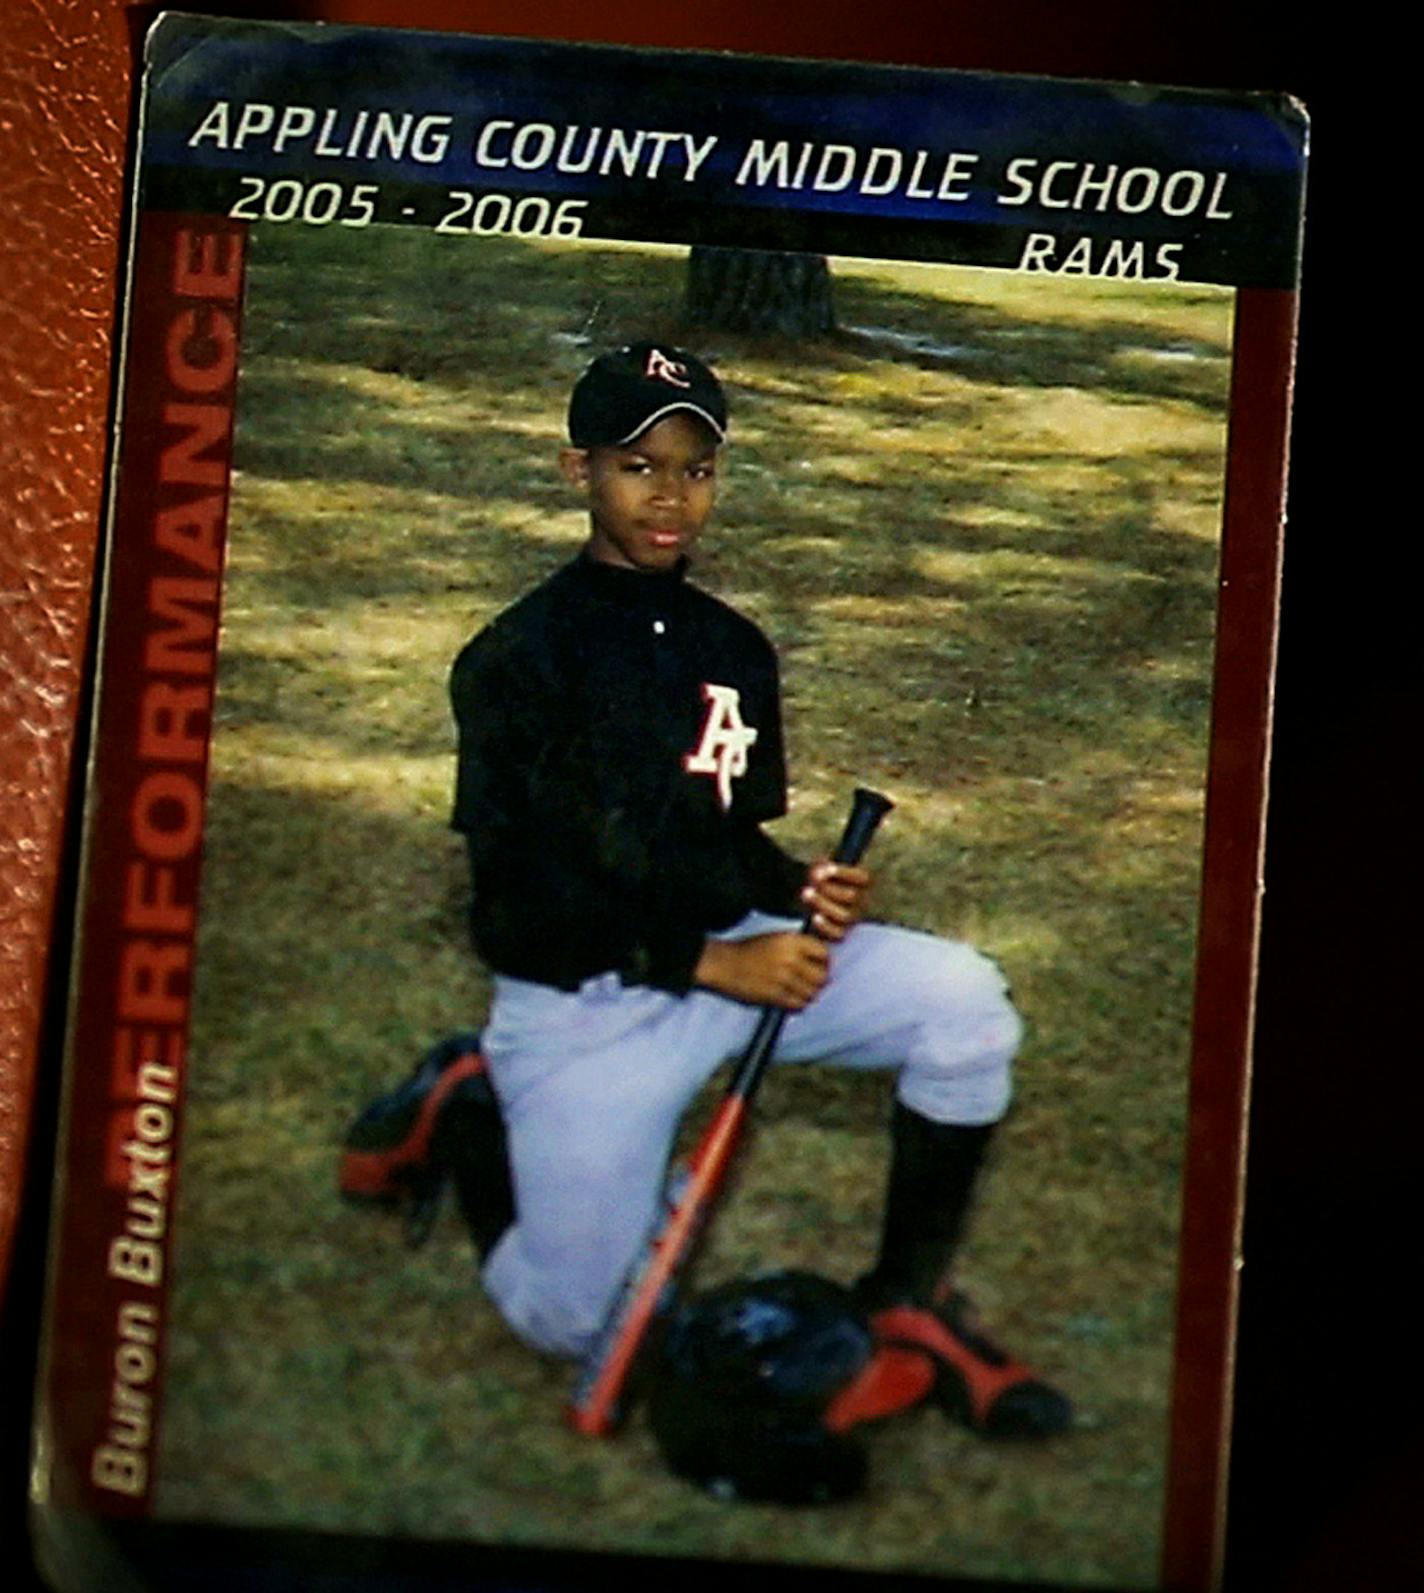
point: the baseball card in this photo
(665, 951)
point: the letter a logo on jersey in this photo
(722, 751)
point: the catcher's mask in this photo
(746, 1373)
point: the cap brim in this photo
(683, 406)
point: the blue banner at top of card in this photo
(347, 126)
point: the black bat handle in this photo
(867, 810)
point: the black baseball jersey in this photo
(619, 748)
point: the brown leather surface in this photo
(64, 73)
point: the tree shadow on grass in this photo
(1059, 651)
(333, 947)
(513, 320)
(1125, 358)
(437, 310)
(474, 421)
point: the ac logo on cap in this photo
(661, 368)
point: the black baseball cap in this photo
(631, 388)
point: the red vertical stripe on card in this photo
(1230, 921)
(128, 1032)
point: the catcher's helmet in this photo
(746, 1372)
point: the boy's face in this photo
(647, 501)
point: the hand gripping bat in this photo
(647, 1294)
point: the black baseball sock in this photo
(933, 1170)
(469, 1141)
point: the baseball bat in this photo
(598, 1398)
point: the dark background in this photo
(1327, 1453)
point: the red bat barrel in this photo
(597, 1404)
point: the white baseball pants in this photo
(593, 1084)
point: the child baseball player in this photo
(620, 749)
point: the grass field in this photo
(981, 524)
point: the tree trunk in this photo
(759, 290)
